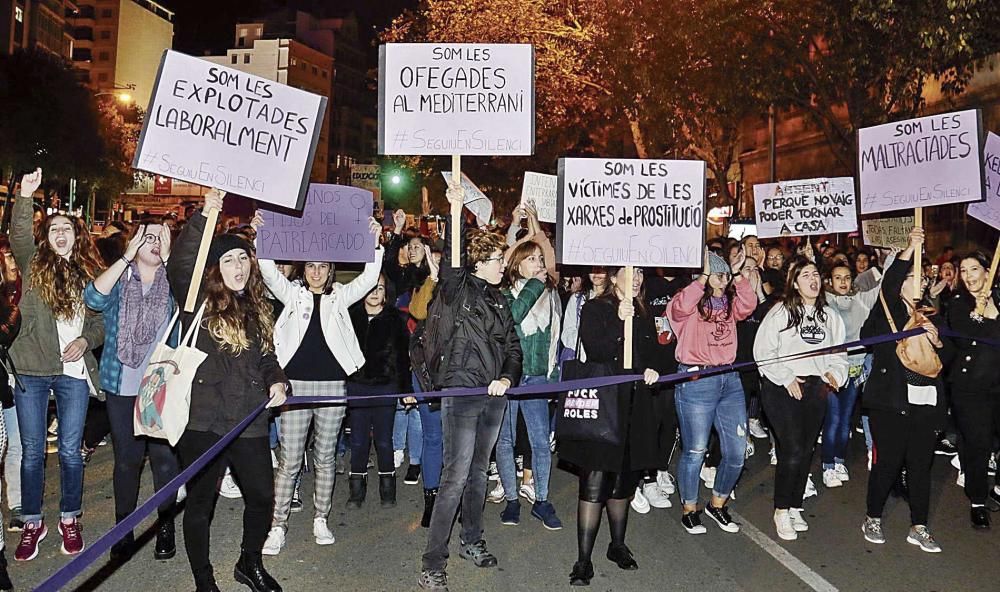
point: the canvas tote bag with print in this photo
(164, 400)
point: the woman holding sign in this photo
(239, 373)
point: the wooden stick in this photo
(199, 264)
(456, 213)
(981, 307)
(918, 273)
(629, 271)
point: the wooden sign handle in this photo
(629, 272)
(456, 213)
(918, 273)
(199, 265)
(981, 307)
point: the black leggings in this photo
(902, 440)
(365, 421)
(250, 462)
(978, 419)
(795, 424)
(130, 452)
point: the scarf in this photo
(544, 314)
(139, 316)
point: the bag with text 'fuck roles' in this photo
(588, 414)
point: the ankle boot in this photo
(5, 583)
(204, 581)
(430, 495)
(358, 483)
(250, 571)
(387, 489)
(166, 548)
(123, 549)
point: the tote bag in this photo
(164, 400)
(588, 414)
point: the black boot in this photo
(204, 581)
(430, 495)
(5, 583)
(358, 483)
(166, 548)
(122, 550)
(250, 572)
(387, 489)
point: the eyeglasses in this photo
(500, 258)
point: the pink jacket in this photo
(711, 342)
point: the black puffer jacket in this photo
(384, 341)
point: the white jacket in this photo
(290, 327)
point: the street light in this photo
(396, 180)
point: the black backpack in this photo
(428, 351)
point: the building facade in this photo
(41, 24)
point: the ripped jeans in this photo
(701, 404)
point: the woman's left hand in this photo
(74, 350)
(650, 376)
(279, 393)
(374, 227)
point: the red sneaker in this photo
(32, 534)
(72, 536)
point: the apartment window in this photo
(246, 58)
(234, 58)
(259, 30)
(241, 42)
(243, 32)
(294, 62)
(102, 77)
(105, 34)
(104, 56)
(315, 71)
(324, 73)
(107, 13)
(19, 14)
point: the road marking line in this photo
(782, 556)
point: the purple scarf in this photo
(140, 317)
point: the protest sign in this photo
(456, 98)
(332, 226)
(989, 211)
(541, 190)
(805, 207)
(887, 232)
(219, 127)
(475, 199)
(927, 161)
(631, 212)
(367, 176)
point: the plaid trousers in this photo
(295, 422)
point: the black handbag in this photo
(589, 414)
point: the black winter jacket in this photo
(384, 341)
(974, 370)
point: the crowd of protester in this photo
(80, 317)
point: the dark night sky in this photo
(206, 26)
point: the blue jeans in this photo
(72, 396)
(837, 427)
(431, 442)
(711, 401)
(406, 429)
(536, 420)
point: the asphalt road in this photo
(379, 549)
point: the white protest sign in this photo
(475, 199)
(805, 207)
(989, 210)
(927, 161)
(631, 212)
(887, 232)
(456, 98)
(219, 127)
(542, 191)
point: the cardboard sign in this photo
(367, 176)
(219, 127)
(927, 161)
(989, 211)
(456, 98)
(631, 212)
(805, 207)
(541, 190)
(475, 199)
(332, 226)
(887, 232)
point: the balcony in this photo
(83, 33)
(82, 54)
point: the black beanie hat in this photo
(224, 243)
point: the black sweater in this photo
(384, 341)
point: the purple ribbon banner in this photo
(84, 559)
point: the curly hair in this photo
(228, 315)
(481, 245)
(59, 282)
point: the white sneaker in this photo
(810, 488)
(495, 496)
(228, 488)
(783, 525)
(275, 541)
(798, 522)
(756, 428)
(750, 448)
(955, 462)
(322, 532)
(870, 458)
(182, 493)
(527, 491)
(842, 473)
(961, 480)
(397, 458)
(708, 476)
(639, 502)
(831, 479)
(774, 456)
(666, 482)
(655, 496)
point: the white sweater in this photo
(774, 342)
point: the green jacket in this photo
(36, 350)
(535, 348)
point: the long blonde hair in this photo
(60, 282)
(228, 316)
